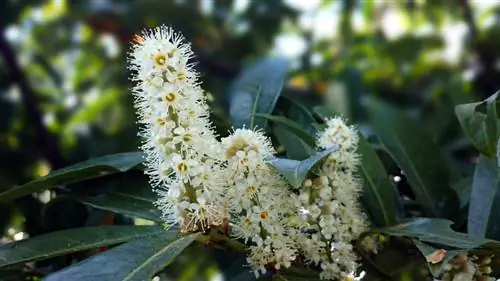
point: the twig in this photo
(47, 143)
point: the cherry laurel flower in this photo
(331, 217)
(181, 150)
(202, 182)
(258, 199)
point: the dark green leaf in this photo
(124, 204)
(292, 126)
(296, 148)
(129, 195)
(72, 240)
(324, 112)
(436, 269)
(299, 113)
(92, 168)
(410, 146)
(484, 207)
(480, 128)
(379, 195)
(463, 189)
(135, 261)
(436, 231)
(498, 152)
(256, 91)
(296, 171)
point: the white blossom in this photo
(258, 198)
(181, 150)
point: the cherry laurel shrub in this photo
(203, 183)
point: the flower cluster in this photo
(331, 217)
(203, 182)
(466, 267)
(258, 199)
(181, 150)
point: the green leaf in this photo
(436, 231)
(484, 206)
(72, 240)
(131, 196)
(410, 147)
(92, 168)
(256, 91)
(324, 112)
(463, 189)
(292, 126)
(296, 148)
(135, 261)
(498, 152)
(299, 112)
(427, 250)
(296, 171)
(481, 129)
(379, 195)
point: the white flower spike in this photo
(181, 150)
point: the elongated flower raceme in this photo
(181, 150)
(331, 217)
(258, 198)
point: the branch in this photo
(469, 19)
(47, 143)
(486, 80)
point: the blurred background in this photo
(64, 88)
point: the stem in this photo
(216, 237)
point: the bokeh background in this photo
(64, 88)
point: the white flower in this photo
(258, 197)
(333, 218)
(183, 157)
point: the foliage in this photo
(428, 137)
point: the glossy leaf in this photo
(379, 195)
(410, 147)
(128, 195)
(92, 168)
(134, 261)
(256, 91)
(437, 231)
(324, 112)
(296, 148)
(299, 113)
(427, 250)
(484, 207)
(292, 126)
(296, 171)
(498, 152)
(481, 129)
(72, 240)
